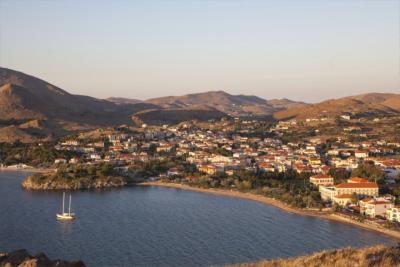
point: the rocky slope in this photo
(22, 258)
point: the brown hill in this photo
(236, 105)
(360, 105)
(176, 115)
(348, 257)
(25, 99)
(32, 109)
(123, 101)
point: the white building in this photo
(327, 192)
(375, 207)
(393, 214)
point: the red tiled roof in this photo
(366, 199)
(357, 185)
(381, 202)
(358, 180)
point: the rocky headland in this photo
(54, 182)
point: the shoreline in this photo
(278, 204)
(31, 169)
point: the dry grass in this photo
(380, 256)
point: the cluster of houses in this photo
(223, 151)
(363, 194)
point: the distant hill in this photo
(236, 105)
(32, 109)
(122, 100)
(176, 115)
(360, 105)
(25, 97)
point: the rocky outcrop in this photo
(50, 182)
(21, 258)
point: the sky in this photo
(301, 50)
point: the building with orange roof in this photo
(373, 207)
(361, 189)
(321, 179)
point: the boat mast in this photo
(69, 207)
(63, 202)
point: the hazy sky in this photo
(303, 50)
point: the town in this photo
(359, 177)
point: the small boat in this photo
(66, 215)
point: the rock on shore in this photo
(49, 182)
(22, 258)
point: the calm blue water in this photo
(154, 226)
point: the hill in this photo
(32, 109)
(122, 100)
(360, 106)
(176, 115)
(348, 257)
(236, 105)
(25, 97)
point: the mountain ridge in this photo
(236, 105)
(32, 109)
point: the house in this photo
(361, 154)
(266, 167)
(172, 172)
(393, 214)
(209, 169)
(373, 207)
(74, 160)
(70, 143)
(60, 161)
(321, 179)
(95, 156)
(361, 189)
(346, 117)
(343, 199)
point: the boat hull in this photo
(66, 216)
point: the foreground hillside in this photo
(379, 256)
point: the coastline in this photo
(30, 169)
(280, 205)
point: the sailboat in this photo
(66, 215)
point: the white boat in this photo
(66, 215)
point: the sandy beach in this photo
(276, 203)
